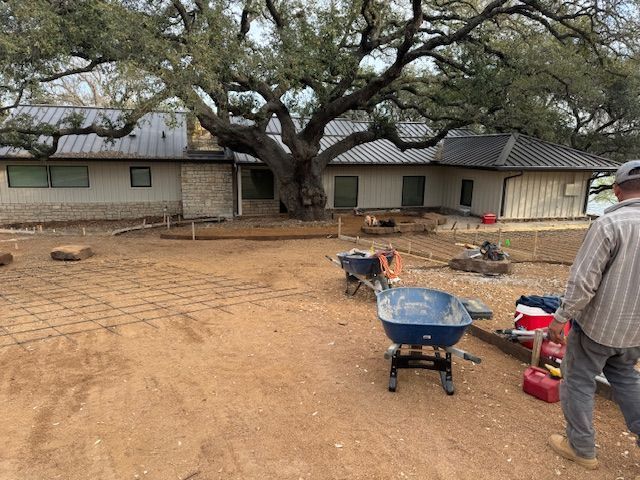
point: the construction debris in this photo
(71, 252)
(5, 258)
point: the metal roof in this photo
(379, 152)
(516, 151)
(158, 135)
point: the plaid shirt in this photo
(603, 291)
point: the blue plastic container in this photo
(422, 316)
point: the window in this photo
(345, 193)
(466, 193)
(412, 191)
(140, 176)
(27, 176)
(69, 177)
(257, 184)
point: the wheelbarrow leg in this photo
(393, 375)
(446, 375)
(351, 279)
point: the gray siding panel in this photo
(109, 183)
(544, 195)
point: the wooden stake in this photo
(535, 245)
(499, 237)
(409, 249)
(537, 345)
(168, 222)
(339, 226)
(84, 232)
(193, 230)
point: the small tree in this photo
(236, 64)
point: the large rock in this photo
(5, 258)
(480, 265)
(71, 252)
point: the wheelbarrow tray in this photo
(361, 265)
(422, 316)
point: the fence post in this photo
(339, 226)
(535, 246)
(193, 230)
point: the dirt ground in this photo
(244, 359)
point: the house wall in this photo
(487, 189)
(267, 207)
(544, 195)
(381, 186)
(207, 190)
(109, 196)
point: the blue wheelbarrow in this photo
(364, 268)
(424, 325)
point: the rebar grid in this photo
(65, 299)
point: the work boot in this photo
(561, 446)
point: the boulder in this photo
(480, 265)
(5, 258)
(71, 252)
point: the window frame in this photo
(21, 186)
(265, 170)
(137, 167)
(424, 183)
(462, 191)
(86, 167)
(335, 178)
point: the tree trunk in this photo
(303, 193)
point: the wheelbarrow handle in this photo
(462, 354)
(333, 260)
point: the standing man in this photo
(603, 301)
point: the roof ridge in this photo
(506, 151)
(90, 107)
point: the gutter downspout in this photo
(504, 191)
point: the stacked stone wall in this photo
(260, 207)
(61, 212)
(207, 190)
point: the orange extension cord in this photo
(397, 265)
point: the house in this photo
(167, 165)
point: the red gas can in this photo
(539, 383)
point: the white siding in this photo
(487, 189)
(381, 186)
(543, 195)
(109, 182)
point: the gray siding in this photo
(544, 195)
(381, 186)
(109, 183)
(487, 189)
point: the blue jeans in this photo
(584, 359)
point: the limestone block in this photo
(440, 219)
(5, 258)
(410, 227)
(480, 265)
(71, 252)
(378, 230)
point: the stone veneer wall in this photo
(260, 207)
(51, 212)
(207, 190)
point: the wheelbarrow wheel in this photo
(393, 383)
(380, 283)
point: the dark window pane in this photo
(412, 191)
(467, 193)
(69, 176)
(346, 192)
(34, 176)
(257, 184)
(140, 176)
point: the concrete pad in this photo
(71, 252)
(5, 258)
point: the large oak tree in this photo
(235, 64)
